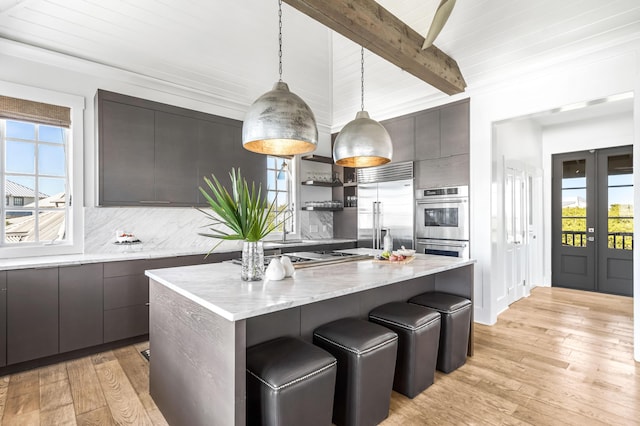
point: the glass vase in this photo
(252, 261)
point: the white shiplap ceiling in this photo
(201, 43)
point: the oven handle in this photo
(440, 201)
(433, 243)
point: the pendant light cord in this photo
(280, 38)
(362, 78)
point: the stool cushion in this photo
(355, 335)
(442, 302)
(405, 315)
(418, 330)
(455, 325)
(289, 382)
(366, 355)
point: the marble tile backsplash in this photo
(158, 228)
(316, 225)
(174, 228)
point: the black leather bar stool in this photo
(366, 355)
(454, 327)
(418, 330)
(289, 382)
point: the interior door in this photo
(573, 220)
(615, 221)
(515, 227)
(593, 220)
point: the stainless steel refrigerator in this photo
(385, 201)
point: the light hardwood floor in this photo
(559, 357)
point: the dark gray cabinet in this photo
(428, 135)
(157, 154)
(126, 298)
(220, 148)
(126, 158)
(402, 132)
(3, 318)
(454, 129)
(443, 131)
(176, 154)
(80, 292)
(32, 314)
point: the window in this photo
(35, 178)
(279, 184)
(41, 159)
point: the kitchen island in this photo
(203, 317)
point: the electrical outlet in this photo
(313, 228)
(324, 228)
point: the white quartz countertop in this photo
(218, 286)
(130, 253)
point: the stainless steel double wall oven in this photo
(442, 221)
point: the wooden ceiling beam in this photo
(367, 23)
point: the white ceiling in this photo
(194, 42)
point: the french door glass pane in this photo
(574, 203)
(620, 202)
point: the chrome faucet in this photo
(288, 213)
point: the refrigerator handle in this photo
(374, 231)
(379, 225)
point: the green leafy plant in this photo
(247, 214)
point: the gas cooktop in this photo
(303, 259)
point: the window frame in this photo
(74, 242)
(292, 230)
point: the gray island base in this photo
(203, 317)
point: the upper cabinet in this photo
(402, 132)
(156, 154)
(443, 131)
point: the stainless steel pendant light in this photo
(362, 142)
(280, 122)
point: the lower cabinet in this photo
(81, 306)
(32, 314)
(126, 298)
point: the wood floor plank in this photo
(55, 395)
(28, 419)
(122, 399)
(53, 373)
(63, 415)
(135, 367)
(101, 357)
(4, 389)
(85, 387)
(100, 417)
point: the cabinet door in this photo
(220, 148)
(81, 309)
(3, 318)
(126, 154)
(402, 134)
(32, 314)
(454, 129)
(428, 135)
(176, 154)
(448, 171)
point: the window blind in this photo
(34, 112)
